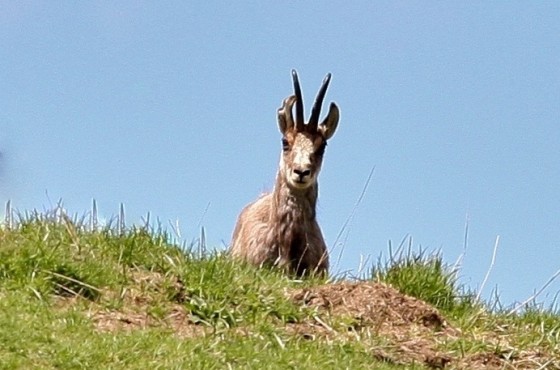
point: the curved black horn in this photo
(316, 111)
(299, 102)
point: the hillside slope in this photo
(72, 297)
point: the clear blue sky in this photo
(170, 106)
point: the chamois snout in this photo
(301, 178)
(302, 174)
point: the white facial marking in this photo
(303, 149)
(301, 172)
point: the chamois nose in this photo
(302, 173)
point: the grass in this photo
(426, 277)
(74, 296)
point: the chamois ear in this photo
(329, 124)
(285, 118)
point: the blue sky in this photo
(170, 108)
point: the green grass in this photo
(425, 276)
(37, 336)
(74, 298)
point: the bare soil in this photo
(413, 332)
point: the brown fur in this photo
(280, 228)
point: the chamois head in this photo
(304, 144)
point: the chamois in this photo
(280, 228)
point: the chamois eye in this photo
(285, 144)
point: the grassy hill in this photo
(73, 296)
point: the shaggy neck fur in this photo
(293, 211)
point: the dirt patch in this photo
(176, 320)
(396, 328)
(372, 304)
(149, 300)
(411, 328)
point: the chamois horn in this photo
(299, 102)
(316, 111)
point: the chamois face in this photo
(302, 156)
(303, 145)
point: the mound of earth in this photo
(397, 328)
(371, 303)
(411, 328)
